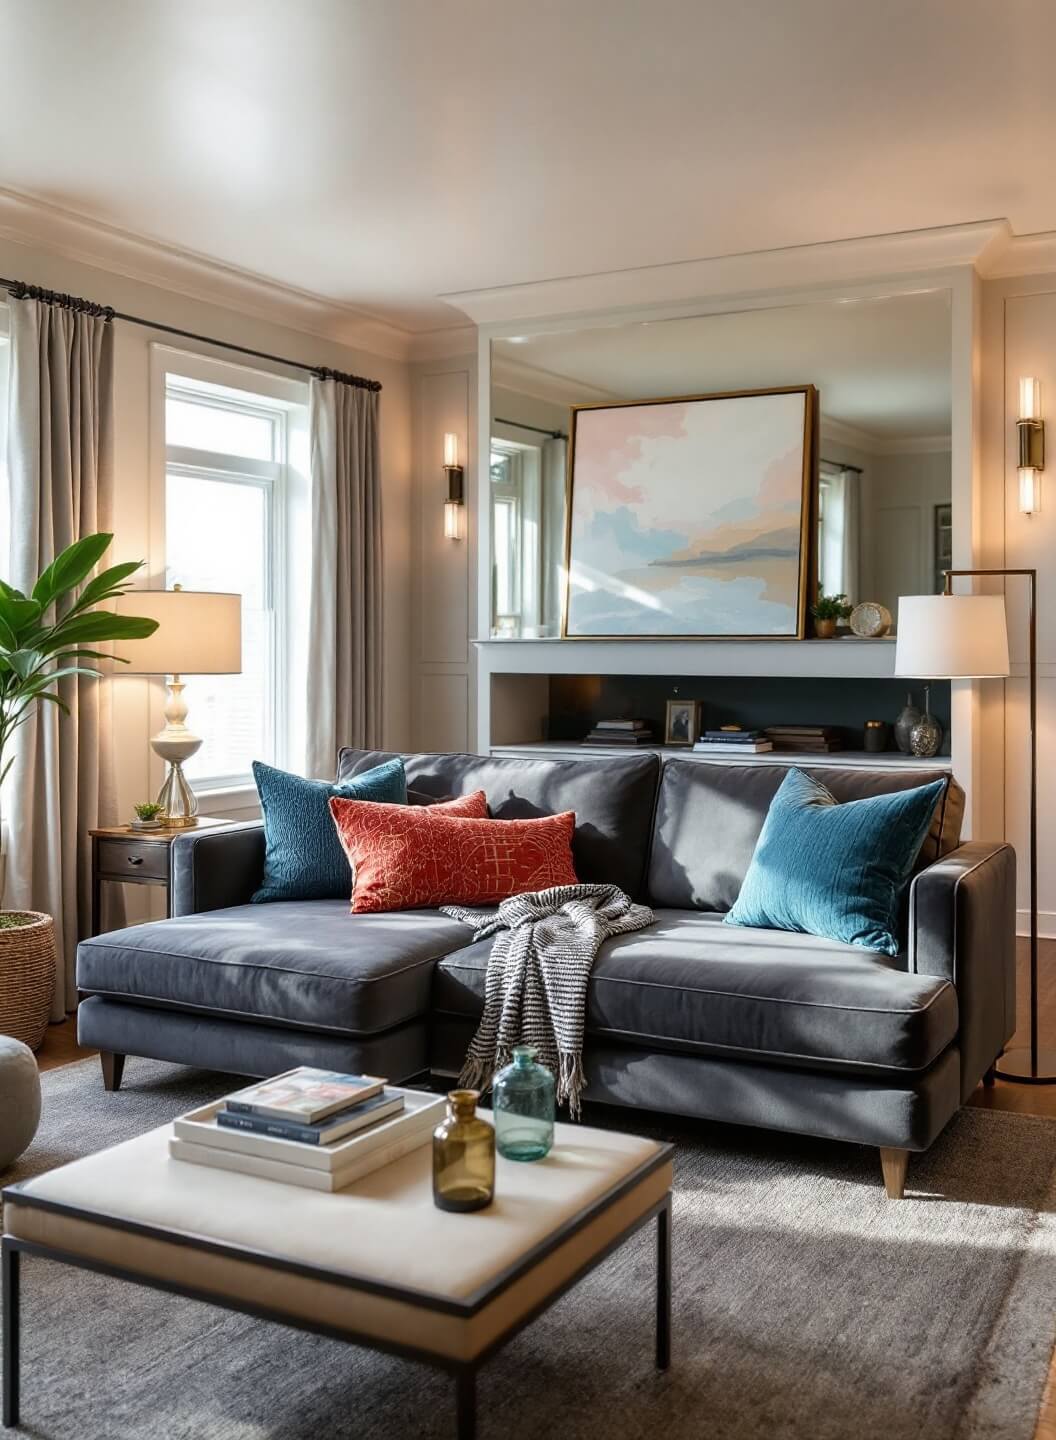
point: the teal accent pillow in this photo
(835, 870)
(303, 859)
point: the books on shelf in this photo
(732, 735)
(806, 739)
(199, 1139)
(305, 1095)
(723, 747)
(622, 725)
(621, 732)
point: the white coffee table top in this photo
(383, 1230)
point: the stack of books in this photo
(806, 739)
(319, 1129)
(621, 732)
(733, 740)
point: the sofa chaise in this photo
(690, 1017)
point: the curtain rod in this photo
(839, 465)
(539, 429)
(19, 290)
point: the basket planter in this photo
(27, 977)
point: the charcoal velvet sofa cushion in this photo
(692, 984)
(303, 857)
(701, 803)
(295, 962)
(613, 803)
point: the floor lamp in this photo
(965, 637)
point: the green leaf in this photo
(9, 592)
(106, 584)
(8, 638)
(70, 568)
(24, 662)
(96, 625)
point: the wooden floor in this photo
(60, 1048)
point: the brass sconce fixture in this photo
(455, 502)
(1031, 462)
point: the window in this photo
(231, 481)
(515, 535)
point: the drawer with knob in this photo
(133, 860)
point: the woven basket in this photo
(27, 977)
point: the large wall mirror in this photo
(882, 370)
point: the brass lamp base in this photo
(1021, 1067)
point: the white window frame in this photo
(286, 484)
(525, 490)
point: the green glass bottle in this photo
(523, 1101)
(463, 1156)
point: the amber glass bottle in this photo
(463, 1156)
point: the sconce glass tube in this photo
(453, 505)
(1031, 433)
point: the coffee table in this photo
(376, 1265)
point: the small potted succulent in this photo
(827, 610)
(148, 815)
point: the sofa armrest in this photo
(215, 868)
(962, 925)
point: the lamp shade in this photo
(951, 637)
(199, 633)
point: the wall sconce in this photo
(454, 504)
(1031, 462)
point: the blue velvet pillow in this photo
(303, 859)
(835, 870)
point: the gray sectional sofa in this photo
(690, 1017)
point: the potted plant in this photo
(45, 637)
(827, 609)
(148, 815)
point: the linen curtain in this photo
(345, 681)
(555, 460)
(60, 439)
(850, 538)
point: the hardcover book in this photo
(305, 1094)
(320, 1132)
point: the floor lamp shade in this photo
(951, 637)
(199, 633)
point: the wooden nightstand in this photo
(135, 857)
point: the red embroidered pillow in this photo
(473, 806)
(405, 857)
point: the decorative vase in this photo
(875, 736)
(27, 974)
(463, 1156)
(870, 620)
(824, 629)
(908, 717)
(926, 735)
(523, 1104)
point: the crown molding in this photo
(541, 384)
(837, 432)
(1021, 255)
(916, 445)
(26, 220)
(979, 244)
(840, 433)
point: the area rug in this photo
(805, 1305)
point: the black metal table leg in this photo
(663, 1287)
(466, 1402)
(11, 1257)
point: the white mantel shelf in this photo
(840, 759)
(849, 658)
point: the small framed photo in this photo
(682, 726)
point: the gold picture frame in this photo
(807, 496)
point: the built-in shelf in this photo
(851, 658)
(847, 759)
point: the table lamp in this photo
(199, 633)
(965, 637)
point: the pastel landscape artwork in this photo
(687, 518)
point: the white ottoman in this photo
(19, 1099)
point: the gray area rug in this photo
(806, 1305)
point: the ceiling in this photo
(381, 153)
(881, 366)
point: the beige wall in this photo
(137, 703)
(899, 496)
(1019, 338)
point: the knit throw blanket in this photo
(536, 986)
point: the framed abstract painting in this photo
(691, 517)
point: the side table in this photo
(134, 857)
